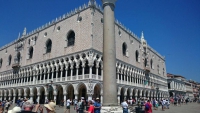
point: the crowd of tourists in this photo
(84, 106)
(89, 106)
(147, 106)
(25, 105)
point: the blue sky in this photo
(171, 27)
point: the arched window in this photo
(30, 52)
(124, 49)
(158, 69)
(1, 61)
(48, 46)
(9, 59)
(163, 71)
(29, 41)
(137, 57)
(71, 39)
(18, 57)
(151, 63)
(145, 62)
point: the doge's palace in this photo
(66, 53)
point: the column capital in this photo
(108, 2)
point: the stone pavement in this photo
(189, 108)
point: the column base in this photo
(112, 109)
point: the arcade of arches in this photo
(76, 76)
(76, 91)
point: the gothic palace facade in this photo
(68, 51)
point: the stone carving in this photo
(90, 88)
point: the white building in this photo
(68, 51)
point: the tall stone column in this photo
(109, 55)
(64, 99)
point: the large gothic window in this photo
(9, 59)
(158, 69)
(151, 63)
(163, 71)
(48, 46)
(137, 57)
(71, 39)
(145, 62)
(1, 61)
(30, 52)
(18, 57)
(124, 49)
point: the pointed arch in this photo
(137, 56)
(9, 60)
(151, 63)
(48, 46)
(124, 49)
(31, 52)
(1, 62)
(70, 38)
(18, 57)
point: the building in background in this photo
(63, 59)
(176, 85)
(195, 87)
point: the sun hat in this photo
(15, 110)
(51, 106)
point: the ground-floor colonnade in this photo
(88, 89)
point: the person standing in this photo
(82, 106)
(75, 104)
(91, 107)
(97, 106)
(68, 106)
(148, 107)
(125, 106)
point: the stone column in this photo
(101, 99)
(61, 73)
(83, 71)
(38, 99)
(64, 99)
(56, 75)
(109, 55)
(55, 98)
(66, 69)
(118, 99)
(76, 96)
(14, 98)
(90, 73)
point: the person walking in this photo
(68, 102)
(125, 106)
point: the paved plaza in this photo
(189, 108)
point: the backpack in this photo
(147, 107)
(81, 106)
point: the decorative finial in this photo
(19, 35)
(24, 33)
(142, 35)
(92, 2)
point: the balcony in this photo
(15, 66)
(146, 69)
